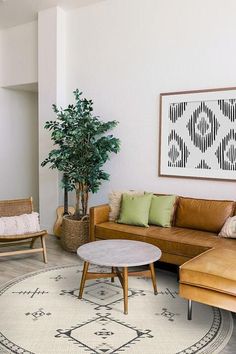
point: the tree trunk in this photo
(81, 208)
(78, 195)
(84, 199)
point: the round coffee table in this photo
(119, 254)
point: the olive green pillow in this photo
(135, 209)
(161, 210)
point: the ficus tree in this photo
(82, 145)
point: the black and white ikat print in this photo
(202, 135)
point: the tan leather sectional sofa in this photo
(207, 262)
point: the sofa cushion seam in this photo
(207, 288)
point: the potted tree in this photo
(82, 145)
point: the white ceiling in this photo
(17, 12)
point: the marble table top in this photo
(119, 253)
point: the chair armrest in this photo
(97, 215)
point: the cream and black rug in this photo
(40, 313)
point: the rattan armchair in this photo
(14, 208)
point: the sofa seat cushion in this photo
(174, 240)
(214, 270)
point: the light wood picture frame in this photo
(198, 134)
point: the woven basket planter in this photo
(74, 233)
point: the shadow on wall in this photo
(19, 143)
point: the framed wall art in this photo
(198, 134)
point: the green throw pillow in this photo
(135, 209)
(161, 210)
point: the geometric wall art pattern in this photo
(198, 134)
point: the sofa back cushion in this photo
(202, 214)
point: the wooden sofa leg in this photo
(178, 275)
(189, 310)
(44, 249)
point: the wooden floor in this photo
(11, 267)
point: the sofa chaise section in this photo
(210, 278)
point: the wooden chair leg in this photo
(153, 275)
(32, 242)
(44, 249)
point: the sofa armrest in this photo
(97, 215)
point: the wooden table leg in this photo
(112, 278)
(154, 282)
(125, 289)
(85, 269)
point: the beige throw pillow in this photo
(229, 228)
(114, 199)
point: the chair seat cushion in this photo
(214, 270)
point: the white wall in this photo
(19, 113)
(19, 55)
(51, 66)
(123, 54)
(18, 145)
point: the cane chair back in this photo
(15, 208)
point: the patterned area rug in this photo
(41, 314)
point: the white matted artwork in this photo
(198, 134)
